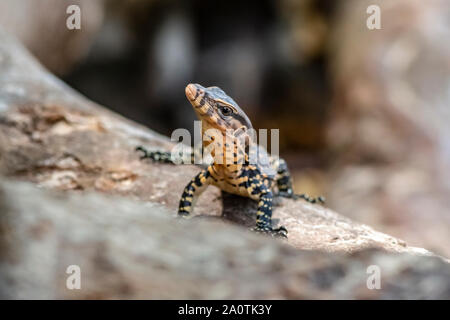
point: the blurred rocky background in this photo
(388, 135)
(363, 114)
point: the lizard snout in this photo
(193, 91)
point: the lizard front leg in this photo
(260, 191)
(193, 189)
(264, 216)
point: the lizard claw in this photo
(183, 215)
(280, 232)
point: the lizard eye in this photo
(225, 111)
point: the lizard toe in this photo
(280, 232)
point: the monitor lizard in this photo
(258, 180)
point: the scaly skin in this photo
(232, 171)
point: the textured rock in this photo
(128, 249)
(128, 245)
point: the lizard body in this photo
(232, 171)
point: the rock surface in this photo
(127, 249)
(129, 246)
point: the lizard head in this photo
(216, 109)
